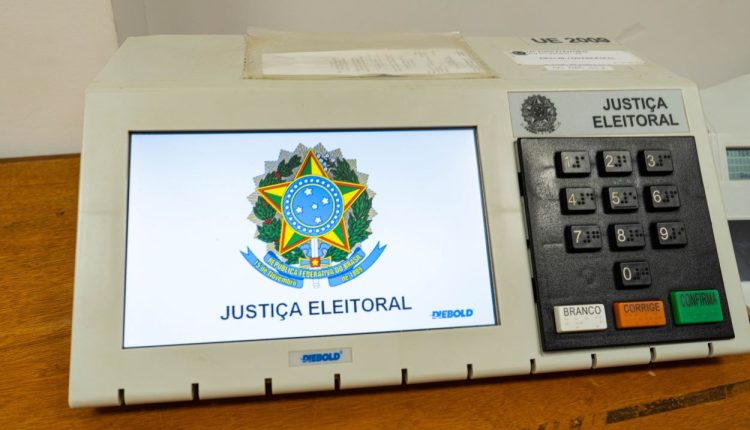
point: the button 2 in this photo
(615, 163)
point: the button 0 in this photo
(696, 307)
(574, 163)
(634, 274)
(579, 200)
(663, 197)
(584, 237)
(657, 162)
(621, 199)
(615, 163)
(640, 314)
(575, 318)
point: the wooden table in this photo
(38, 199)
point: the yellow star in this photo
(312, 206)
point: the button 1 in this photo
(574, 163)
(574, 318)
(663, 197)
(621, 199)
(640, 314)
(670, 234)
(579, 200)
(658, 162)
(696, 307)
(627, 236)
(584, 237)
(634, 274)
(616, 163)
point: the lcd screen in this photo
(240, 236)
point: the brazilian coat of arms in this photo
(313, 210)
(539, 114)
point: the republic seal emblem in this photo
(313, 210)
(539, 114)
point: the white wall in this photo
(705, 40)
(49, 51)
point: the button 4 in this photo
(579, 200)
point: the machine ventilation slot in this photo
(653, 354)
(337, 382)
(469, 371)
(404, 376)
(269, 387)
(533, 366)
(121, 396)
(593, 361)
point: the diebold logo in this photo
(453, 313)
(313, 209)
(326, 356)
(539, 114)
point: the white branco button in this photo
(572, 318)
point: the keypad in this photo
(612, 257)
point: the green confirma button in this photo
(696, 307)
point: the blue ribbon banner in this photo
(276, 270)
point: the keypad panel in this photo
(629, 233)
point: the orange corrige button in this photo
(640, 314)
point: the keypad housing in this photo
(564, 275)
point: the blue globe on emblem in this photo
(312, 206)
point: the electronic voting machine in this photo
(278, 214)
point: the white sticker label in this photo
(573, 318)
(570, 68)
(538, 57)
(372, 62)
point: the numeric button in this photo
(634, 274)
(657, 161)
(584, 237)
(579, 200)
(574, 163)
(669, 234)
(628, 236)
(663, 197)
(615, 163)
(621, 199)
